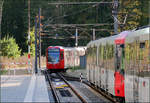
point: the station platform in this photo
(24, 88)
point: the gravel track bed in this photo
(88, 93)
(76, 73)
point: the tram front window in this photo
(53, 55)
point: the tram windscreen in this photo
(53, 55)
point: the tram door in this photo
(119, 70)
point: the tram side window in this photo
(107, 52)
(91, 54)
(107, 55)
(147, 46)
(104, 53)
(110, 55)
(88, 55)
(127, 56)
(99, 57)
(130, 53)
(110, 52)
(95, 53)
(142, 46)
(101, 54)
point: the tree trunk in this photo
(1, 7)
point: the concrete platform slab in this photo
(24, 88)
(13, 88)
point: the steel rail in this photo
(102, 93)
(52, 88)
(92, 87)
(79, 96)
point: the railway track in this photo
(103, 93)
(56, 98)
(73, 94)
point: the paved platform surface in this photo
(24, 88)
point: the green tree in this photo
(13, 21)
(9, 47)
(131, 8)
(145, 17)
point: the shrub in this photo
(3, 72)
(9, 47)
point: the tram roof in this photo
(125, 36)
(93, 43)
(88, 45)
(110, 40)
(61, 47)
(102, 41)
(120, 39)
(141, 35)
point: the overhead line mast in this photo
(114, 11)
(39, 38)
(29, 42)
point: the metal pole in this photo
(36, 45)
(29, 34)
(115, 12)
(149, 42)
(93, 34)
(39, 38)
(76, 44)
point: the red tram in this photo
(55, 58)
(60, 58)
